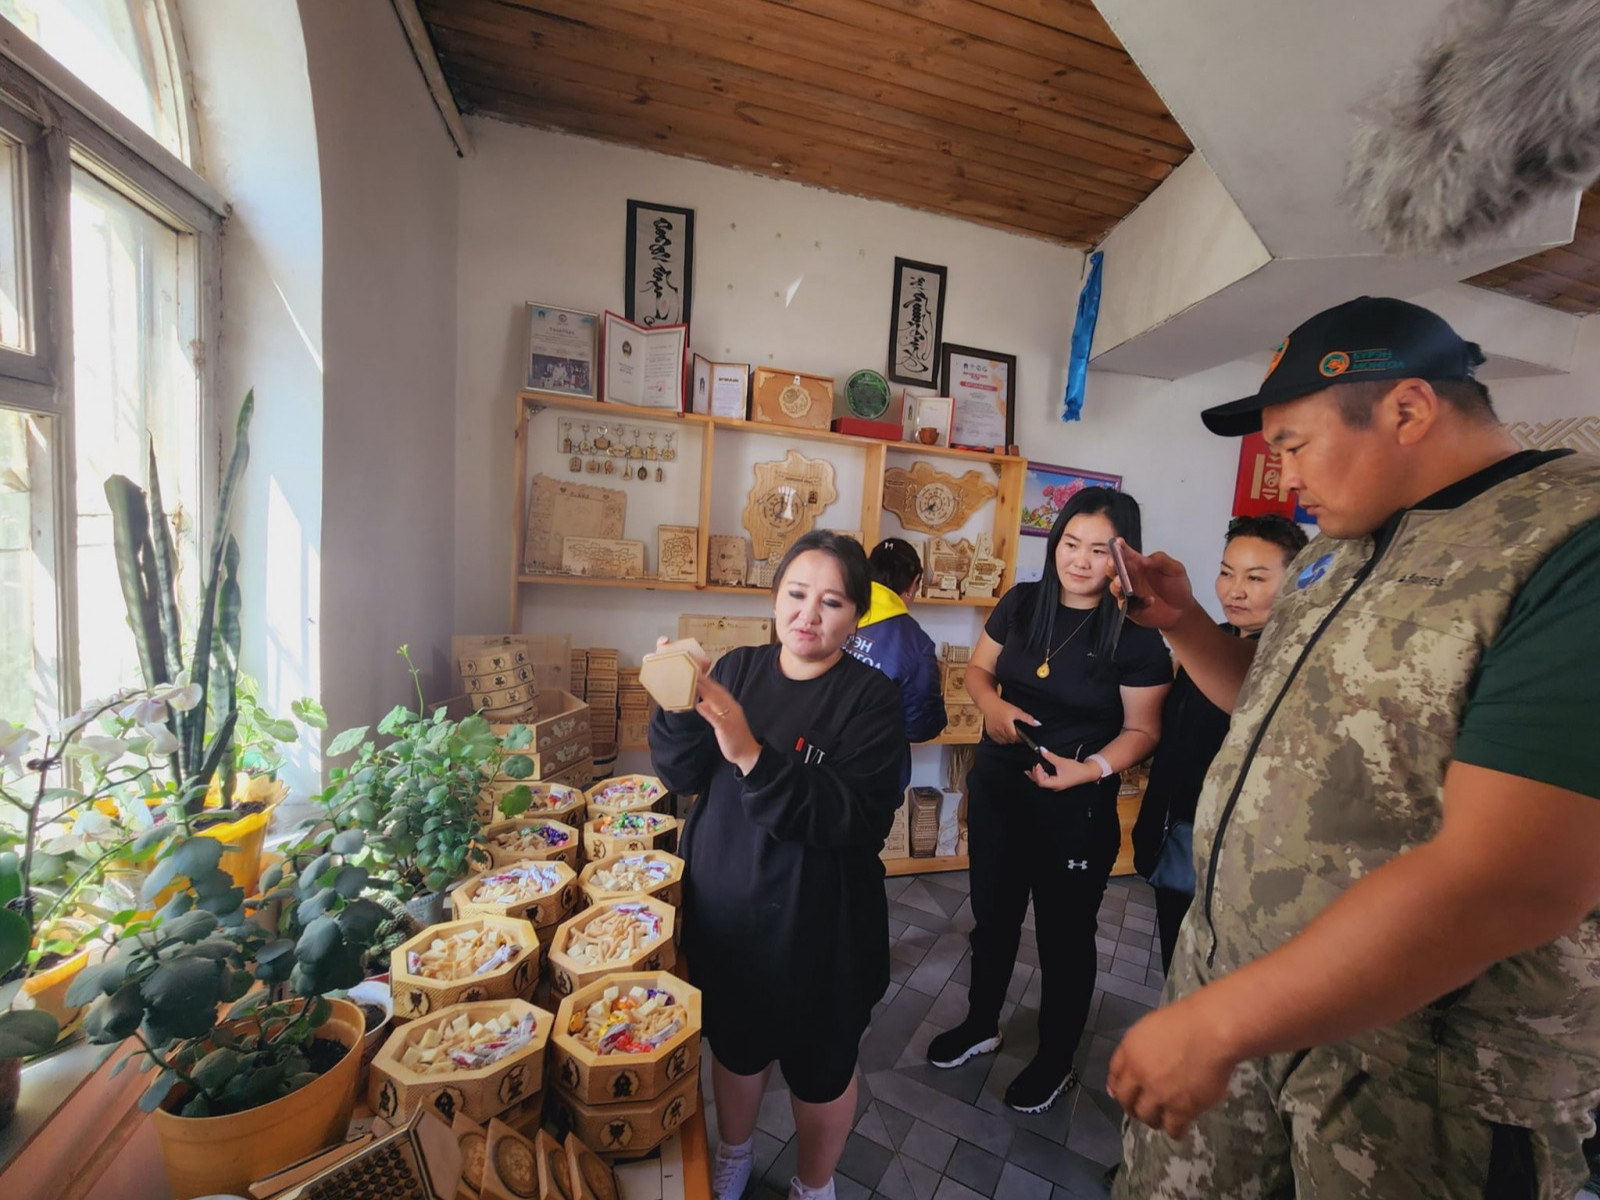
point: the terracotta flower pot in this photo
(207, 1155)
(47, 991)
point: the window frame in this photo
(66, 124)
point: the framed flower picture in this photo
(1047, 488)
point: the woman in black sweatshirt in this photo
(796, 751)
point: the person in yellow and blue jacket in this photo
(889, 638)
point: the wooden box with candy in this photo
(633, 934)
(628, 1037)
(475, 1060)
(629, 1129)
(527, 839)
(547, 798)
(628, 833)
(627, 793)
(479, 958)
(544, 893)
(647, 873)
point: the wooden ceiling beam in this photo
(1527, 275)
(996, 162)
(1060, 38)
(522, 24)
(1080, 18)
(801, 42)
(776, 137)
(655, 130)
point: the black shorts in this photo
(817, 1062)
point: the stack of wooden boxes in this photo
(898, 843)
(924, 805)
(601, 693)
(963, 721)
(633, 707)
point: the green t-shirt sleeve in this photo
(1534, 710)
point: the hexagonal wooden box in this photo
(417, 996)
(558, 897)
(628, 833)
(627, 793)
(668, 891)
(626, 1130)
(396, 1091)
(672, 674)
(614, 1078)
(520, 840)
(568, 974)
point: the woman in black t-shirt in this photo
(1056, 657)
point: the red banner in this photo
(1260, 487)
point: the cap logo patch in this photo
(1333, 364)
(1382, 359)
(1277, 357)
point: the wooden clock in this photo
(784, 504)
(929, 501)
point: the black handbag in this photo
(1175, 860)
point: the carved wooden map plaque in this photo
(603, 558)
(930, 501)
(677, 552)
(785, 502)
(558, 508)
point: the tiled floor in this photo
(926, 1134)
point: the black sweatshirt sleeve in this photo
(847, 801)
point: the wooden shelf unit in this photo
(925, 866)
(1010, 472)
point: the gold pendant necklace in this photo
(1044, 668)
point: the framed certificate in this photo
(720, 389)
(982, 386)
(644, 367)
(561, 350)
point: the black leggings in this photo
(1058, 848)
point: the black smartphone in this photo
(1025, 732)
(1130, 601)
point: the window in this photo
(108, 261)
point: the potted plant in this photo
(417, 795)
(238, 1097)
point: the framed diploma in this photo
(927, 420)
(720, 389)
(916, 323)
(561, 350)
(660, 264)
(982, 386)
(644, 367)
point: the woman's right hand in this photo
(998, 718)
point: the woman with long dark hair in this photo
(796, 751)
(1056, 660)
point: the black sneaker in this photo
(1038, 1085)
(966, 1040)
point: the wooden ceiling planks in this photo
(1022, 114)
(1566, 278)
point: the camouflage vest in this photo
(1343, 731)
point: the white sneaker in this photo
(730, 1172)
(799, 1191)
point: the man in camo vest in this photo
(1389, 983)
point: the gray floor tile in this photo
(776, 1117)
(921, 1180)
(1102, 962)
(871, 1127)
(1105, 945)
(898, 1123)
(846, 1188)
(963, 1083)
(1017, 1184)
(894, 1185)
(782, 1167)
(886, 1041)
(916, 1050)
(978, 1169)
(1047, 1160)
(1097, 1061)
(1141, 941)
(893, 886)
(1154, 978)
(1139, 955)
(1052, 1123)
(936, 969)
(864, 1160)
(919, 918)
(1021, 972)
(918, 896)
(889, 993)
(963, 972)
(1093, 1134)
(949, 1189)
(896, 928)
(1029, 955)
(936, 1109)
(899, 972)
(767, 1148)
(760, 1189)
(950, 1006)
(1137, 992)
(929, 1146)
(1140, 924)
(949, 899)
(1128, 970)
(1136, 909)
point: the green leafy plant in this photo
(147, 567)
(259, 736)
(162, 985)
(417, 794)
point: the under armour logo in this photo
(1077, 864)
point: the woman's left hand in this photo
(727, 720)
(1070, 773)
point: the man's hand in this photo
(1171, 1066)
(1162, 594)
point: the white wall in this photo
(389, 209)
(259, 147)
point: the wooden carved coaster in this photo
(786, 501)
(929, 501)
(728, 560)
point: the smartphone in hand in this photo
(1129, 600)
(1025, 733)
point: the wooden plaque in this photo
(787, 499)
(983, 577)
(678, 553)
(792, 398)
(718, 635)
(948, 565)
(558, 509)
(929, 501)
(603, 558)
(728, 560)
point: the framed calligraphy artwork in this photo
(916, 323)
(660, 264)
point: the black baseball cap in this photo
(1373, 337)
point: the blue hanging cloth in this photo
(1082, 340)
